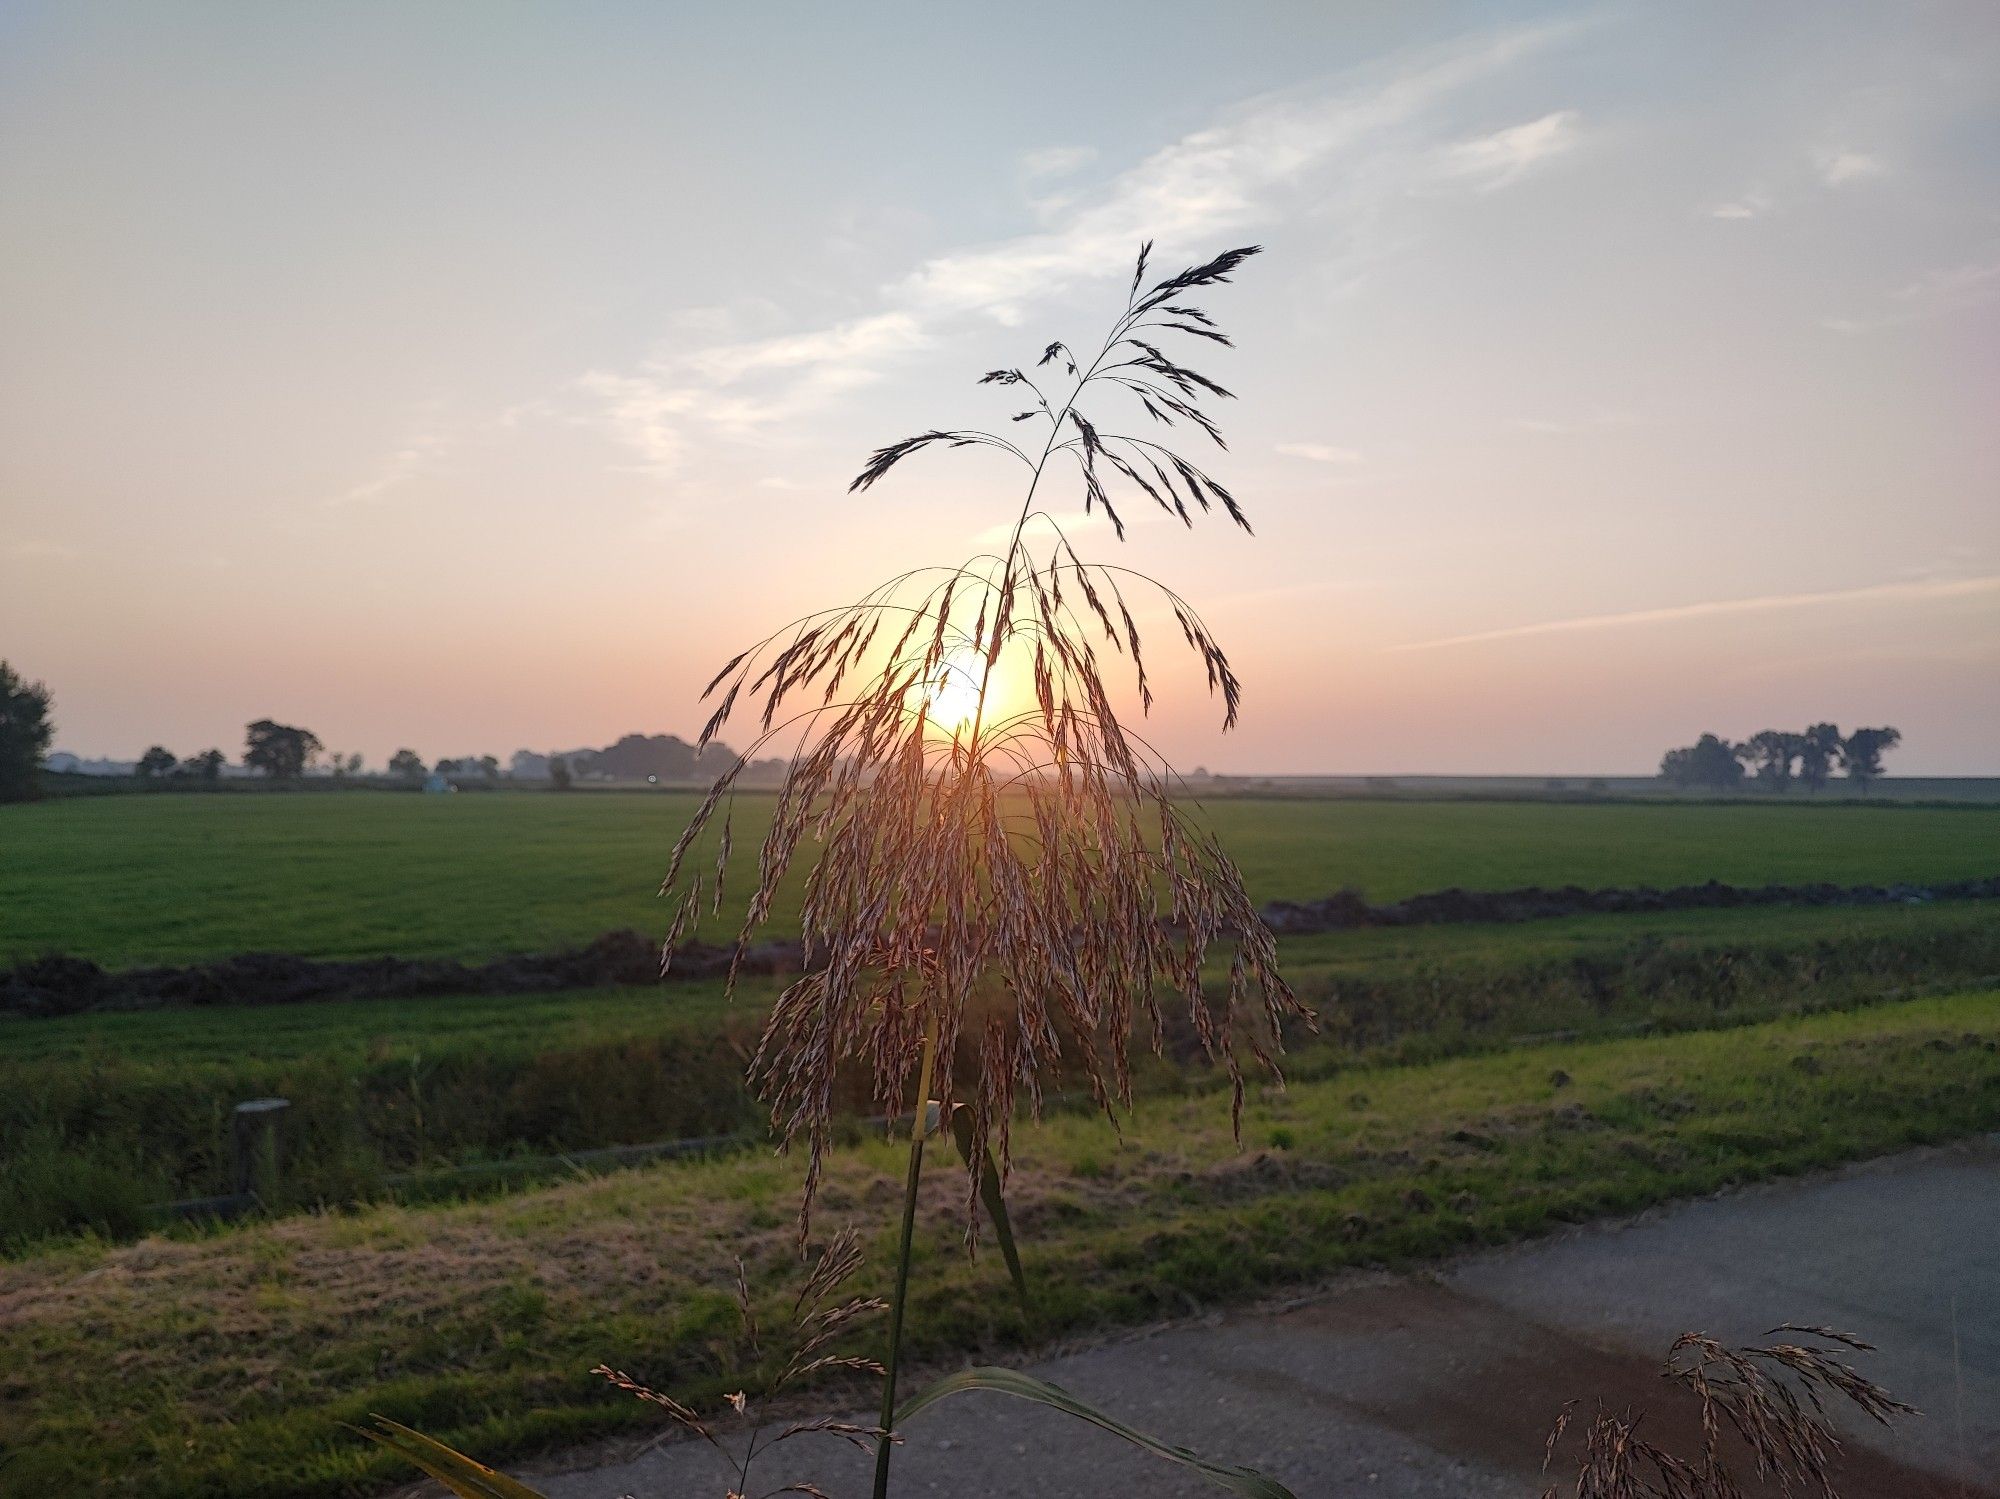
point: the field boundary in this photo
(64, 985)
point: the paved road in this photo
(1443, 1386)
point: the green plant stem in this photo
(886, 1441)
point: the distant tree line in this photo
(159, 761)
(1775, 758)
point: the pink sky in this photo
(1610, 376)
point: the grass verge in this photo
(221, 1365)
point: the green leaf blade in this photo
(464, 1476)
(995, 1203)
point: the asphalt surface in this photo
(1443, 1386)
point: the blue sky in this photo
(473, 377)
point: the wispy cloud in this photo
(1947, 289)
(1377, 126)
(1228, 175)
(1874, 593)
(1753, 204)
(35, 550)
(1056, 161)
(420, 451)
(1493, 161)
(1570, 426)
(1952, 287)
(1838, 168)
(739, 388)
(1319, 452)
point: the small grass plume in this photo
(818, 1318)
(1771, 1401)
(1018, 880)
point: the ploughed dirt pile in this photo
(1347, 908)
(59, 985)
(64, 986)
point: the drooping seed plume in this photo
(1016, 883)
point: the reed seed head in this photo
(1010, 874)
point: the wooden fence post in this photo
(253, 1152)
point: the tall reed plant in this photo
(999, 869)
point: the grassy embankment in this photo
(103, 1115)
(220, 1365)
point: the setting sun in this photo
(952, 695)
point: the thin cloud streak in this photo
(1498, 159)
(1318, 452)
(1936, 588)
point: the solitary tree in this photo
(279, 750)
(1819, 748)
(489, 766)
(559, 772)
(1862, 753)
(157, 761)
(25, 732)
(1709, 763)
(206, 766)
(1772, 751)
(407, 764)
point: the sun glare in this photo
(953, 693)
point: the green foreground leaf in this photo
(457, 1472)
(994, 1202)
(1244, 1481)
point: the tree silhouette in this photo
(1709, 764)
(279, 750)
(407, 764)
(25, 732)
(1773, 751)
(1819, 749)
(1861, 752)
(157, 761)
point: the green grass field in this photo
(221, 1365)
(104, 1114)
(236, 1351)
(131, 880)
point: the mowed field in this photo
(162, 879)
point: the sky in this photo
(470, 377)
